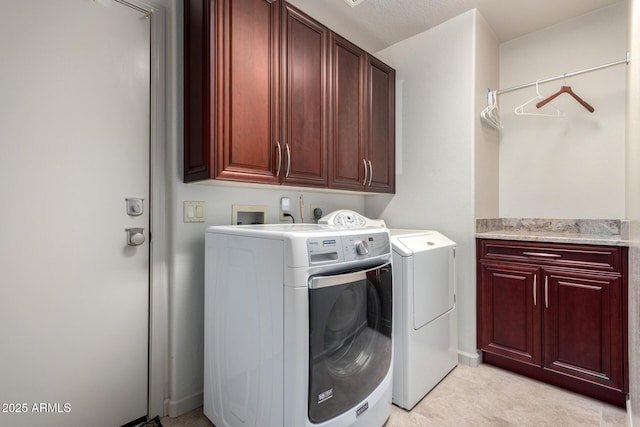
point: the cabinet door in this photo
(381, 81)
(199, 77)
(583, 332)
(305, 100)
(509, 311)
(248, 93)
(347, 115)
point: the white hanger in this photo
(491, 114)
(519, 111)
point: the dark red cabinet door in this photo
(199, 81)
(348, 155)
(381, 126)
(232, 93)
(248, 93)
(583, 329)
(509, 311)
(305, 100)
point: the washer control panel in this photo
(366, 245)
(349, 247)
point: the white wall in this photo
(486, 145)
(572, 167)
(435, 188)
(186, 286)
(633, 205)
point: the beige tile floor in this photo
(485, 396)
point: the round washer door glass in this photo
(349, 339)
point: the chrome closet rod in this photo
(575, 73)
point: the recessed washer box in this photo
(249, 214)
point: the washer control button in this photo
(362, 247)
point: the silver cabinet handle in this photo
(542, 254)
(279, 158)
(365, 172)
(286, 147)
(546, 291)
(535, 277)
(370, 173)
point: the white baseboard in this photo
(175, 408)
(470, 359)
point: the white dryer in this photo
(424, 313)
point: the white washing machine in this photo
(425, 321)
(298, 324)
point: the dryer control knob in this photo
(362, 247)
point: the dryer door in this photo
(350, 339)
(433, 278)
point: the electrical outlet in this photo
(313, 208)
(285, 208)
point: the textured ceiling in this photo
(376, 24)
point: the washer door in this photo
(349, 339)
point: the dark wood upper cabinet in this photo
(381, 127)
(362, 120)
(231, 89)
(248, 101)
(348, 75)
(272, 96)
(198, 90)
(305, 100)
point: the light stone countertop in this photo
(609, 232)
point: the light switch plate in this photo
(193, 211)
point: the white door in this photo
(74, 143)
